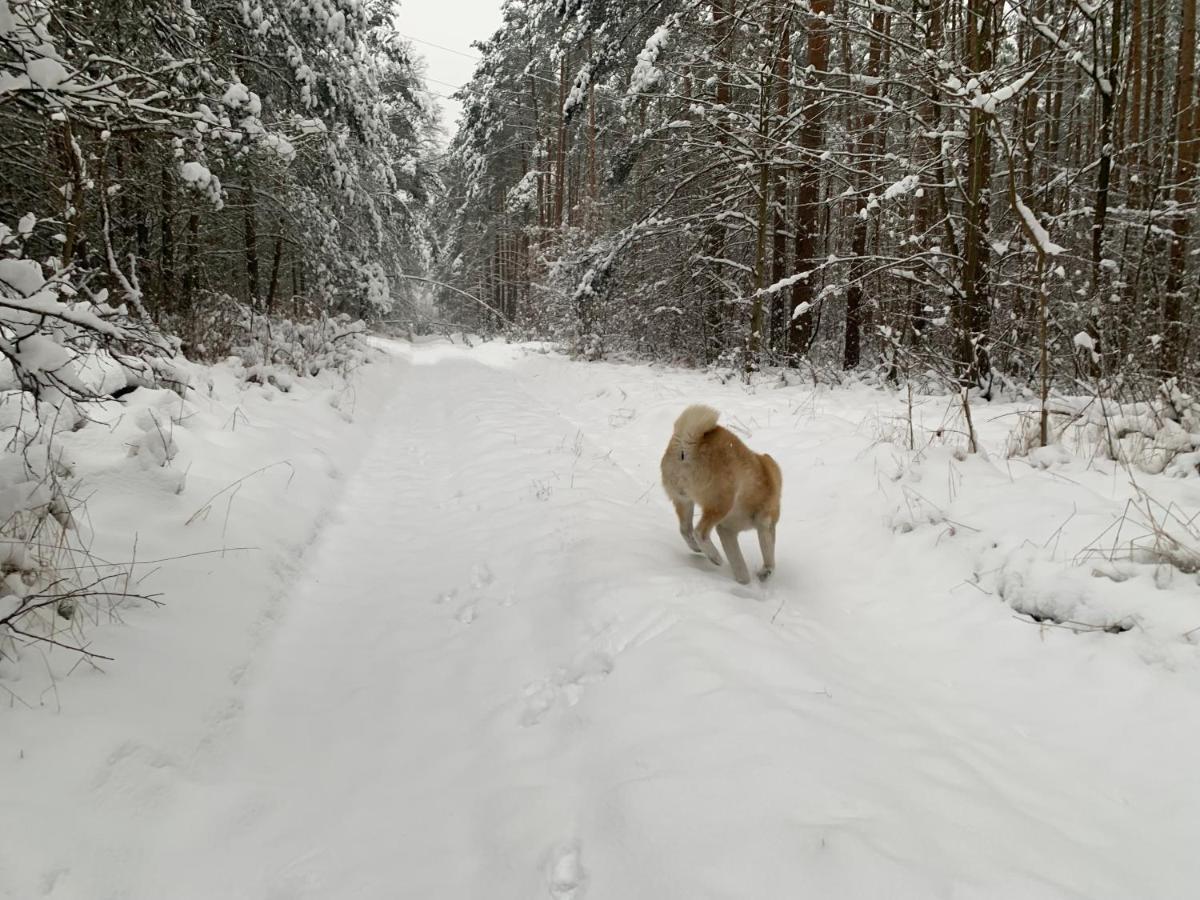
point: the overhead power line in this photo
(440, 46)
(473, 56)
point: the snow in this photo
(48, 74)
(905, 185)
(311, 126)
(21, 276)
(646, 73)
(523, 194)
(1040, 236)
(280, 145)
(8, 22)
(26, 297)
(238, 96)
(472, 658)
(236, 480)
(1151, 437)
(1049, 34)
(989, 101)
(200, 177)
(577, 96)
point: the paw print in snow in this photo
(567, 876)
(481, 576)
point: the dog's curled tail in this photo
(695, 422)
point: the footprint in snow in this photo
(756, 592)
(481, 576)
(566, 683)
(466, 614)
(567, 875)
(444, 596)
(593, 667)
(539, 700)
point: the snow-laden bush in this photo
(65, 346)
(52, 325)
(1157, 436)
(274, 351)
(51, 587)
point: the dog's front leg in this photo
(686, 510)
(733, 552)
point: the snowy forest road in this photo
(504, 676)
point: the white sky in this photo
(452, 24)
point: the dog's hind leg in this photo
(686, 510)
(733, 552)
(766, 542)
(708, 521)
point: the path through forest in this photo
(503, 675)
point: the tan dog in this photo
(736, 489)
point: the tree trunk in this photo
(589, 220)
(1133, 96)
(779, 247)
(927, 204)
(867, 150)
(189, 268)
(1174, 336)
(560, 166)
(760, 267)
(973, 308)
(1104, 170)
(801, 329)
(250, 233)
(166, 253)
(274, 286)
(713, 244)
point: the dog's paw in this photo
(742, 577)
(764, 573)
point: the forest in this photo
(959, 188)
(177, 173)
(963, 190)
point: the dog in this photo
(735, 488)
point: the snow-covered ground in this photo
(498, 671)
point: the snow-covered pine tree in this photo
(888, 141)
(187, 163)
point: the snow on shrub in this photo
(64, 347)
(51, 587)
(1138, 570)
(1046, 591)
(1159, 436)
(1139, 575)
(274, 351)
(50, 327)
